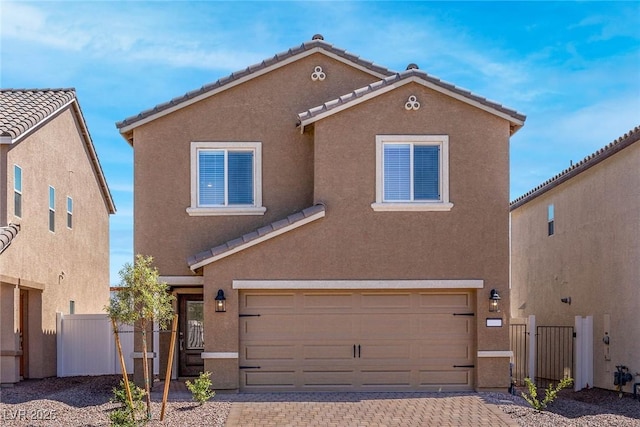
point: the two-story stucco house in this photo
(54, 226)
(575, 252)
(330, 224)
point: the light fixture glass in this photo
(494, 301)
(221, 302)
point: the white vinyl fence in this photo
(86, 345)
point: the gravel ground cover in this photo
(84, 401)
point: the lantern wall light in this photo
(221, 302)
(494, 301)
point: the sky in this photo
(573, 68)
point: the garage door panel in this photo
(445, 301)
(443, 377)
(385, 377)
(333, 302)
(386, 301)
(326, 326)
(268, 301)
(445, 325)
(458, 352)
(391, 351)
(328, 377)
(279, 326)
(268, 352)
(385, 326)
(269, 378)
(324, 352)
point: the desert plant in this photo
(141, 300)
(127, 415)
(550, 393)
(200, 388)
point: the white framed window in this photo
(69, 212)
(17, 191)
(52, 209)
(412, 173)
(551, 229)
(226, 178)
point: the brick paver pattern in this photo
(364, 410)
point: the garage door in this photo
(357, 340)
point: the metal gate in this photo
(518, 337)
(554, 355)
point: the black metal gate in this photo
(518, 338)
(554, 354)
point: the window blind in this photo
(426, 172)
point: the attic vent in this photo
(413, 66)
(317, 37)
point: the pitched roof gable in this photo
(26, 110)
(267, 232)
(7, 234)
(602, 154)
(394, 81)
(317, 45)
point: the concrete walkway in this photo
(364, 409)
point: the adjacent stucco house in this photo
(355, 219)
(54, 226)
(575, 251)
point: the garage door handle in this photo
(354, 351)
(358, 351)
(464, 366)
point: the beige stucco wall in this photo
(333, 162)
(592, 258)
(54, 155)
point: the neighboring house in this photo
(354, 218)
(577, 238)
(54, 226)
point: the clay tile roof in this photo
(23, 109)
(316, 113)
(7, 234)
(252, 69)
(607, 151)
(252, 238)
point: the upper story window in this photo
(226, 178)
(69, 212)
(412, 173)
(52, 209)
(17, 191)
(550, 220)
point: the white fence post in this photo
(532, 347)
(584, 352)
(59, 345)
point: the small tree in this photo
(142, 300)
(550, 393)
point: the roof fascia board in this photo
(6, 140)
(287, 61)
(418, 80)
(258, 240)
(44, 121)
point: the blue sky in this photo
(572, 67)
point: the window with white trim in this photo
(412, 173)
(52, 209)
(69, 212)
(551, 229)
(17, 191)
(226, 178)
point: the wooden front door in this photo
(191, 335)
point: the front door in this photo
(22, 330)
(191, 339)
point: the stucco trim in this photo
(182, 280)
(360, 284)
(219, 355)
(412, 207)
(495, 353)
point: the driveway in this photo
(364, 409)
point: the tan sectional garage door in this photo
(357, 340)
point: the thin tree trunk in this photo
(123, 366)
(167, 377)
(145, 367)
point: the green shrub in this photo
(200, 388)
(550, 393)
(125, 415)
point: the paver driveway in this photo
(364, 409)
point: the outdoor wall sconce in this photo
(566, 300)
(494, 299)
(221, 302)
